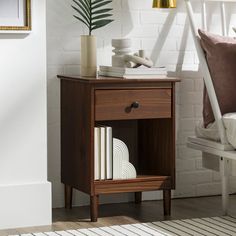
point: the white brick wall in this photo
(166, 36)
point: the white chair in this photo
(216, 155)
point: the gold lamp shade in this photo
(164, 4)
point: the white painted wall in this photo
(166, 36)
(25, 194)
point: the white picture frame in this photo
(15, 15)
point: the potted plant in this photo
(93, 14)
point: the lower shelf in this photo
(139, 184)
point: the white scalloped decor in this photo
(122, 168)
(128, 170)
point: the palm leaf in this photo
(85, 18)
(83, 8)
(84, 3)
(101, 4)
(100, 23)
(97, 1)
(102, 11)
(87, 2)
(92, 13)
(78, 18)
(101, 16)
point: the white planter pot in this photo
(88, 56)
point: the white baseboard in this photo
(25, 205)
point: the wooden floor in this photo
(126, 213)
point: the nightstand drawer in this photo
(132, 104)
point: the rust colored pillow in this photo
(221, 58)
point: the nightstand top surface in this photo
(102, 79)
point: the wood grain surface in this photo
(77, 135)
(141, 183)
(117, 104)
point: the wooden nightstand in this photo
(141, 113)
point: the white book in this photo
(102, 153)
(97, 144)
(109, 153)
(113, 74)
(145, 76)
(133, 74)
(134, 71)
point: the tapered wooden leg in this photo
(94, 200)
(225, 170)
(68, 196)
(138, 197)
(167, 202)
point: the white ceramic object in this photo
(121, 43)
(121, 148)
(142, 53)
(128, 170)
(120, 153)
(138, 60)
(122, 48)
(122, 168)
(123, 57)
(117, 163)
(88, 56)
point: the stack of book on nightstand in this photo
(103, 153)
(133, 73)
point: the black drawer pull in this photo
(135, 105)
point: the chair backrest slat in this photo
(203, 63)
(204, 15)
(223, 18)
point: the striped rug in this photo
(221, 226)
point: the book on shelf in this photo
(109, 152)
(111, 156)
(134, 71)
(97, 144)
(103, 153)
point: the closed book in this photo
(102, 153)
(97, 144)
(109, 153)
(113, 74)
(134, 71)
(145, 76)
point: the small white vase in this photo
(88, 56)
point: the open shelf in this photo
(140, 178)
(139, 184)
(149, 142)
